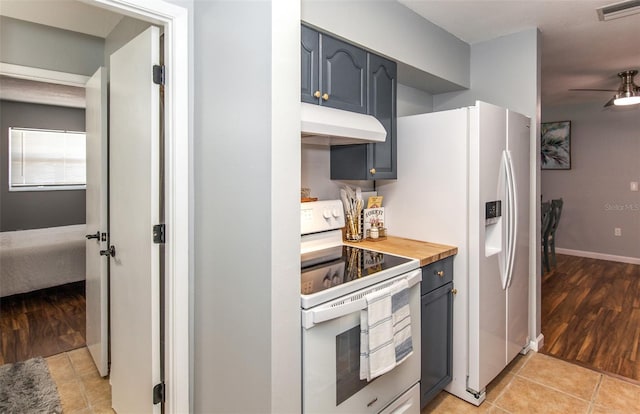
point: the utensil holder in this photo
(353, 231)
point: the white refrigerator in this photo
(463, 180)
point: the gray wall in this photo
(126, 29)
(35, 45)
(605, 158)
(37, 209)
(423, 50)
(247, 356)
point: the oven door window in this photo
(348, 380)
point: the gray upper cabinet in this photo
(343, 76)
(334, 73)
(373, 161)
(310, 53)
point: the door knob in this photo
(93, 236)
(316, 94)
(372, 171)
(111, 251)
(325, 96)
(454, 291)
(440, 273)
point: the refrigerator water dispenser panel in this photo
(493, 210)
(493, 242)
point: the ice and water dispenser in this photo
(493, 227)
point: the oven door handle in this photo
(351, 303)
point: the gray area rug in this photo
(27, 387)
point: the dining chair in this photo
(556, 207)
(547, 218)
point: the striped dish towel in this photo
(385, 330)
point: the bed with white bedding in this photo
(41, 258)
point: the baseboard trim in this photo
(537, 344)
(600, 256)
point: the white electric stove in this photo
(335, 278)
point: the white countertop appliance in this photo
(463, 180)
(335, 279)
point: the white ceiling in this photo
(578, 50)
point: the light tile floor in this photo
(537, 383)
(81, 389)
(534, 383)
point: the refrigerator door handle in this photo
(505, 256)
(513, 217)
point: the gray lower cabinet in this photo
(334, 73)
(437, 328)
(372, 161)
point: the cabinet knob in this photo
(372, 171)
(454, 291)
(316, 94)
(325, 96)
(440, 273)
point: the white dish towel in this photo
(385, 330)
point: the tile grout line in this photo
(514, 373)
(553, 388)
(79, 379)
(594, 397)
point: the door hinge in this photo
(158, 74)
(158, 233)
(159, 393)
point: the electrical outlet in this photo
(617, 231)
(634, 186)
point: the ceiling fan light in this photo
(627, 100)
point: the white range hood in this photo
(328, 126)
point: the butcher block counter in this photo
(426, 252)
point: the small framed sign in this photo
(555, 145)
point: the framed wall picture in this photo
(555, 145)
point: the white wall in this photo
(247, 354)
(605, 158)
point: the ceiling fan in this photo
(628, 93)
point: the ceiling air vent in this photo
(617, 10)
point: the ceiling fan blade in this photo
(610, 102)
(594, 90)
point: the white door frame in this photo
(174, 20)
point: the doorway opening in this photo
(174, 23)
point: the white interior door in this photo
(97, 276)
(134, 200)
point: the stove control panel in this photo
(317, 216)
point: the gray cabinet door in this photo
(373, 161)
(382, 157)
(437, 334)
(310, 66)
(343, 75)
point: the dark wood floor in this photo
(42, 323)
(591, 314)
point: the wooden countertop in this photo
(426, 252)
